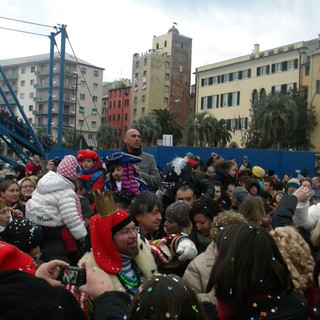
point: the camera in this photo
(73, 276)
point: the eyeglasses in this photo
(25, 187)
(127, 231)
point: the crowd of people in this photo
(200, 239)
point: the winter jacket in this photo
(282, 215)
(305, 216)
(53, 204)
(198, 272)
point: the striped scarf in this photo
(128, 181)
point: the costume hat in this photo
(119, 158)
(102, 226)
(85, 154)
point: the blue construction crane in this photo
(18, 135)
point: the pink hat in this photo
(69, 168)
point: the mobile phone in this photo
(73, 276)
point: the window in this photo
(125, 116)
(180, 68)
(95, 73)
(23, 70)
(119, 93)
(31, 82)
(135, 101)
(165, 43)
(94, 111)
(210, 102)
(95, 86)
(83, 70)
(181, 45)
(118, 117)
(137, 64)
(262, 93)
(30, 107)
(119, 103)
(307, 70)
(166, 89)
(81, 122)
(82, 96)
(81, 109)
(21, 96)
(82, 84)
(143, 98)
(109, 118)
(30, 120)
(235, 97)
(145, 61)
(93, 124)
(22, 83)
(166, 101)
(126, 102)
(142, 111)
(224, 100)
(33, 69)
(113, 117)
(262, 71)
(110, 105)
(90, 136)
(157, 46)
(318, 86)
(246, 73)
(230, 99)
(114, 104)
(134, 112)
(167, 77)
(167, 64)
(31, 95)
(94, 98)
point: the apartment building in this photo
(161, 77)
(227, 89)
(29, 77)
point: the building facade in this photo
(227, 89)
(118, 113)
(29, 77)
(161, 77)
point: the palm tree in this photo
(168, 123)
(199, 129)
(221, 135)
(107, 137)
(149, 130)
(277, 117)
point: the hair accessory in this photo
(149, 289)
(195, 308)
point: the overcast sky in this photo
(108, 33)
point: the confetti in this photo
(149, 289)
(273, 310)
(195, 308)
(170, 288)
(254, 305)
(167, 315)
(263, 314)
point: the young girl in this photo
(122, 174)
(55, 206)
(92, 171)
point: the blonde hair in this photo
(297, 255)
(253, 209)
(224, 219)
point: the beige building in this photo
(161, 77)
(29, 77)
(227, 89)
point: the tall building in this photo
(118, 114)
(161, 77)
(228, 88)
(29, 77)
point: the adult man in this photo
(185, 193)
(245, 163)
(30, 166)
(119, 251)
(146, 168)
(146, 210)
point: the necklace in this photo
(130, 283)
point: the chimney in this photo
(256, 50)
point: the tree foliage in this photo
(203, 130)
(149, 130)
(281, 121)
(107, 137)
(167, 121)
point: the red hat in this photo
(104, 250)
(69, 168)
(85, 154)
(11, 258)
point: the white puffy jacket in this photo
(53, 204)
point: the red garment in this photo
(69, 241)
(311, 295)
(97, 185)
(30, 166)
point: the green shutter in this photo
(273, 68)
(258, 71)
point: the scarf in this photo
(136, 152)
(128, 181)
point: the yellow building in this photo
(227, 89)
(161, 77)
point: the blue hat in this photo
(119, 158)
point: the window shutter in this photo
(201, 103)
(283, 88)
(240, 75)
(217, 105)
(238, 98)
(284, 65)
(249, 73)
(296, 63)
(202, 82)
(273, 89)
(273, 68)
(258, 71)
(230, 76)
(229, 99)
(268, 69)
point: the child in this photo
(122, 174)
(55, 206)
(92, 171)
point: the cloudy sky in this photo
(108, 33)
